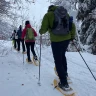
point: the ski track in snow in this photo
(18, 79)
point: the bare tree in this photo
(4, 7)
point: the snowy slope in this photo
(18, 79)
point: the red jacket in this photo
(24, 33)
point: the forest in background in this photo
(13, 10)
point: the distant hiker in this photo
(62, 30)
(29, 35)
(14, 37)
(19, 32)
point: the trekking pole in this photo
(40, 60)
(23, 59)
(84, 61)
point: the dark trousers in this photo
(59, 50)
(23, 45)
(28, 46)
(15, 43)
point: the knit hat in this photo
(27, 22)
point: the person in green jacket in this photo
(59, 44)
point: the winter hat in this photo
(52, 8)
(14, 31)
(20, 27)
(27, 22)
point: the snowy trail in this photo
(15, 74)
(18, 79)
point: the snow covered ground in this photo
(21, 79)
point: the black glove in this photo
(72, 39)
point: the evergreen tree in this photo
(87, 13)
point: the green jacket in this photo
(47, 24)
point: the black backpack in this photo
(61, 22)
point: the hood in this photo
(61, 11)
(52, 8)
(28, 26)
(20, 28)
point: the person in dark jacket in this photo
(19, 32)
(59, 44)
(29, 43)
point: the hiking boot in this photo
(29, 61)
(18, 50)
(64, 87)
(35, 58)
(24, 52)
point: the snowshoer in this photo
(14, 38)
(29, 35)
(60, 35)
(19, 32)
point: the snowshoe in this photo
(64, 89)
(35, 61)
